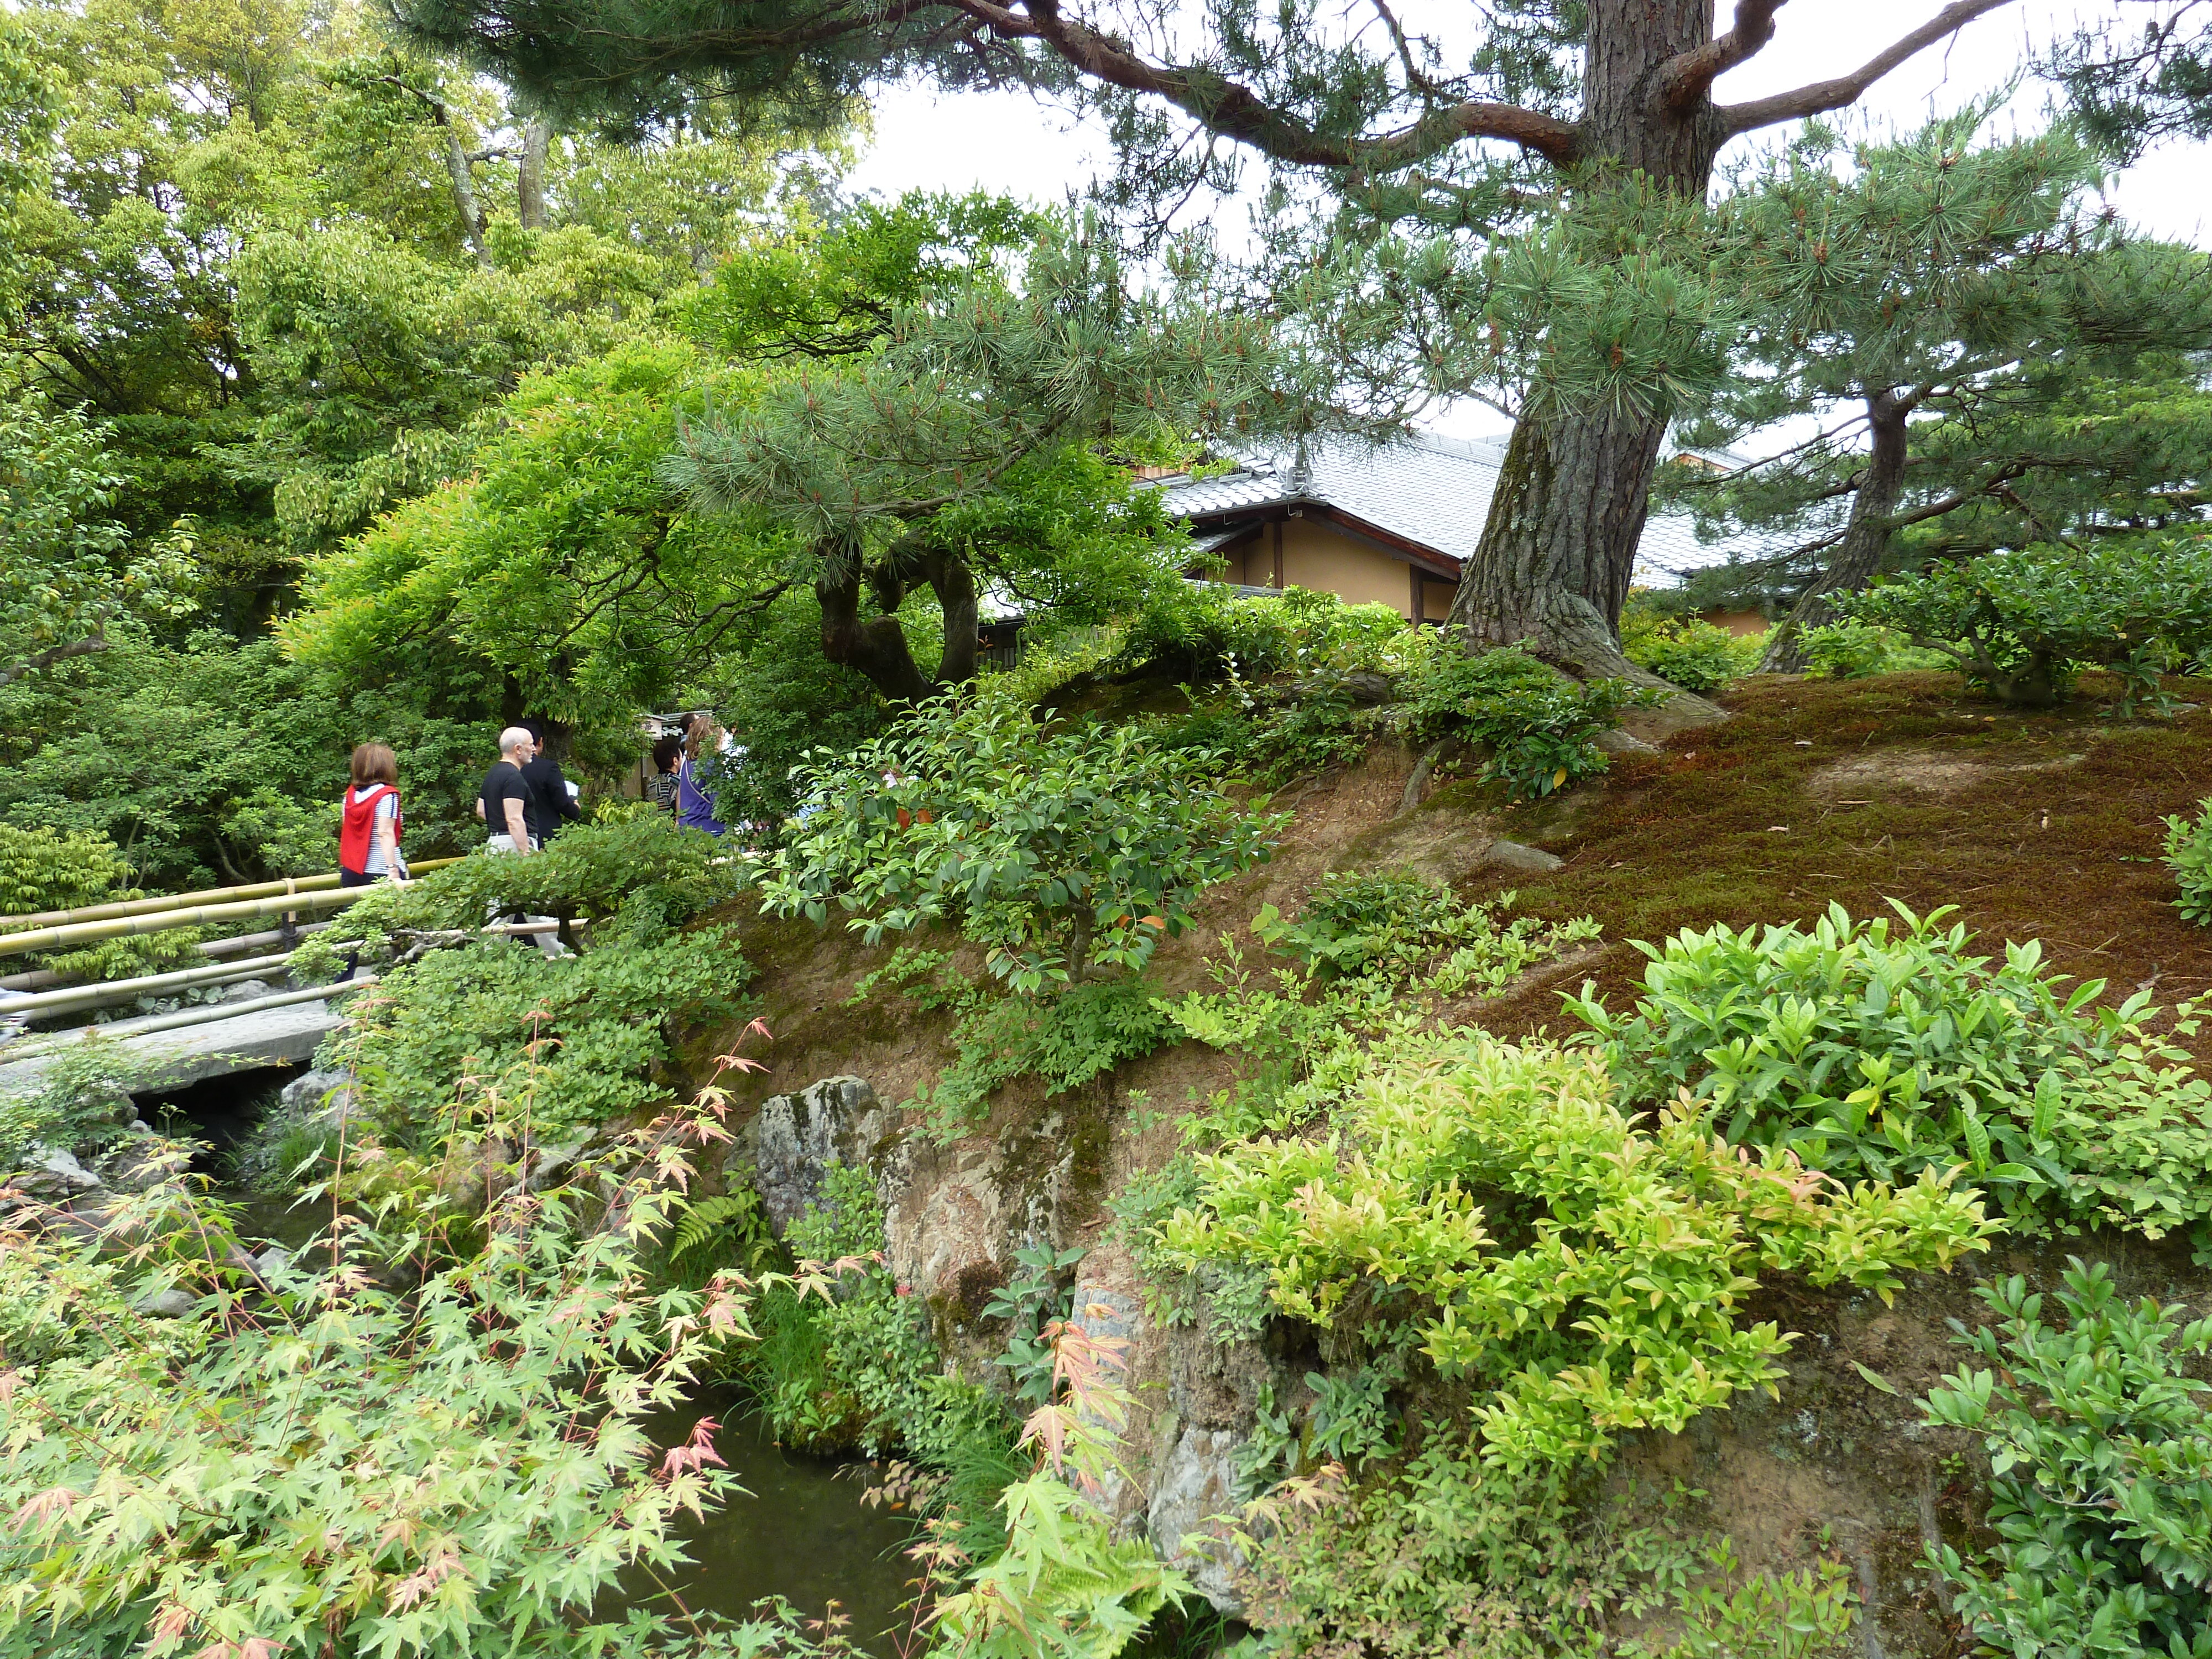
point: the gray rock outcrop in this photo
(793, 1139)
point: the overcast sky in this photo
(1009, 141)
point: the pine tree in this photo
(1557, 93)
(2015, 367)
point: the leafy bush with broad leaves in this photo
(1688, 651)
(1203, 630)
(1061, 849)
(591, 1029)
(1879, 1052)
(2101, 1454)
(1540, 727)
(1613, 1308)
(480, 1479)
(2023, 624)
(2189, 855)
(631, 871)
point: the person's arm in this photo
(564, 803)
(387, 839)
(479, 807)
(517, 825)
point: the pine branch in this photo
(1824, 95)
(1686, 77)
(1236, 111)
(50, 656)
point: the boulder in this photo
(53, 1172)
(793, 1139)
(1197, 1482)
(167, 1304)
(245, 990)
(319, 1094)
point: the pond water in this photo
(800, 1532)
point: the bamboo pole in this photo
(91, 933)
(140, 907)
(206, 1014)
(106, 992)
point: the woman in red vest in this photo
(368, 834)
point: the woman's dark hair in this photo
(374, 763)
(668, 752)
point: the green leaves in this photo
(2024, 623)
(2189, 855)
(1540, 726)
(483, 1476)
(1612, 1302)
(1060, 851)
(2102, 1457)
(1878, 1054)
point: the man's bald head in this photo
(514, 741)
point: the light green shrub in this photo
(43, 871)
(2101, 1495)
(1617, 1306)
(2189, 855)
(1688, 651)
(1881, 1053)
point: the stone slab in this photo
(173, 1060)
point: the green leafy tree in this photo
(2016, 369)
(69, 579)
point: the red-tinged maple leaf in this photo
(54, 1500)
(172, 1622)
(9, 1382)
(696, 1453)
(444, 1563)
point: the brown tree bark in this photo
(1866, 535)
(877, 646)
(529, 174)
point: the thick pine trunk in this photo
(877, 646)
(1558, 550)
(1866, 538)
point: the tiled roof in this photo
(1435, 491)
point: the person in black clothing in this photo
(548, 789)
(505, 802)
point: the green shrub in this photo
(1059, 850)
(1608, 1299)
(1857, 651)
(43, 871)
(2101, 1498)
(631, 870)
(1203, 630)
(1688, 651)
(1540, 727)
(2023, 624)
(1879, 1053)
(2189, 855)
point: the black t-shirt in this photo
(549, 795)
(502, 784)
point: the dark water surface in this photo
(800, 1531)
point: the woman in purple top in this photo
(693, 811)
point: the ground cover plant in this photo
(2189, 855)
(1686, 650)
(1540, 727)
(1874, 1051)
